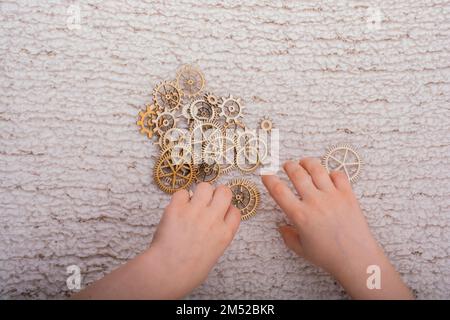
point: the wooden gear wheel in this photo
(167, 96)
(174, 170)
(190, 80)
(145, 121)
(245, 197)
(343, 157)
(208, 172)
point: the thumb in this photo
(291, 239)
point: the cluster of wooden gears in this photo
(202, 136)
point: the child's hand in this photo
(192, 235)
(329, 228)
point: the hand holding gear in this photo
(213, 141)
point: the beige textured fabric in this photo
(75, 174)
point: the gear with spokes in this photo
(173, 173)
(174, 136)
(231, 109)
(146, 118)
(266, 124)
(190, 80)
(245, 197)
(208, 171)
(165, 121)
(167, 96)
(200, 110)
(343, 157)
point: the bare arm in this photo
(330, 230)
(192, 235)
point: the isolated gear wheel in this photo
(266, 124)
(343, 157)
(167, 96)
(190, 80)
(145, 121)
(245, 197)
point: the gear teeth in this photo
(143, 121)
(248, 206)
(333, 150)
(237, 114)
(189, 77)
(159, 97)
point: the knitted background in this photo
(75, 174)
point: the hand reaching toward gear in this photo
(330, 230)
(192, 235)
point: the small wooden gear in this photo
(266, 124)
(245, 197)
(208, 171)
(231, 109)
(167, 96)
(145, 121)
(201, 110)
(190, 80)
(343, 157)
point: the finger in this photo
(202, 194)
(233, 219)
(283, 196)
(291, 239)
(300, 179)
(318, 173)
(221, 199)
(180, 197)
(340, 181)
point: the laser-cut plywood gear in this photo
(245, 197)
(174, 136)
(208, 172)
(200, 110)
(190, 80)
(343, 157)
(145, 121)
(206, 132)
(231, 109)
(174, 173)
(266, 124)
(167, 96)
(212, 99)
(165, 121)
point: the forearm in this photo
(354, 277)
(144, 277)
